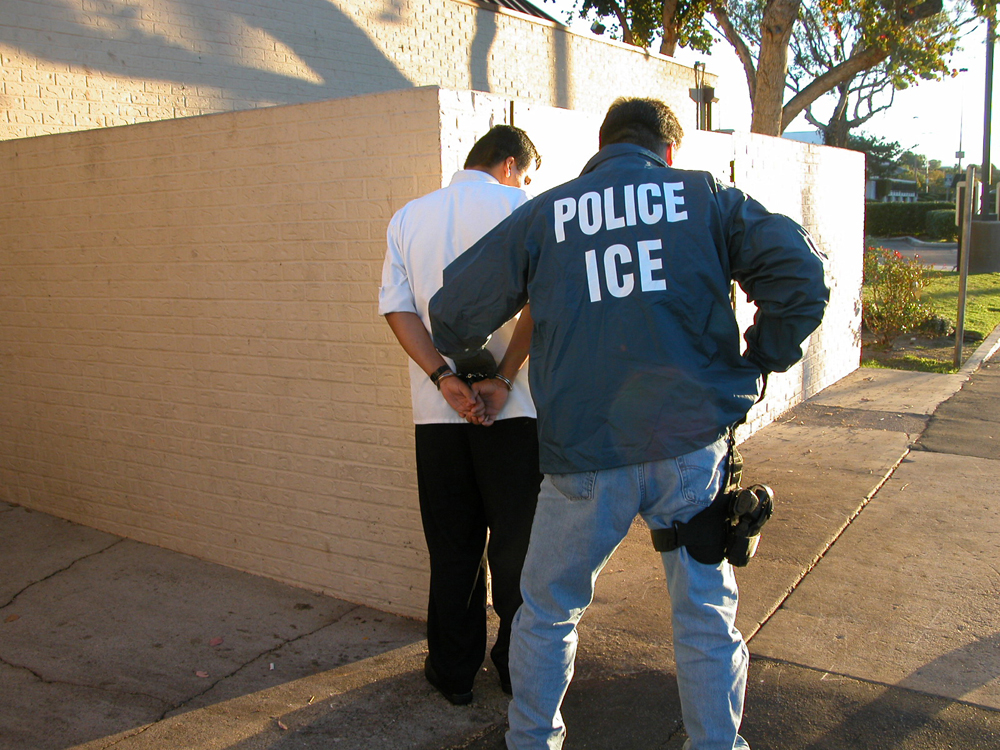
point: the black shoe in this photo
(457, 699)
(504, 676)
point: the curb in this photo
(940, 245)
(985, 350)
(914, 242)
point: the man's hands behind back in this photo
(493, 394)
(463, 399)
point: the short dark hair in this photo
(502, 142)
(644, 122)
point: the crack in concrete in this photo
(57, 572)
(816, 560)
(677, 730)
(179, 706)
(45, 680)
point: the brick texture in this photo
(70, 65)
(189, 346)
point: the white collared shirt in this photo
(423, 238)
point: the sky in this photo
(929, 118)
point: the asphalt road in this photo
(941, 256)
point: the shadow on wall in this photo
(562, 66)
(479, 54)
(214, 44)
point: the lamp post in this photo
(986, 176)
(960, 154)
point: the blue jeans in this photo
(579, 522)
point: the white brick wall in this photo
(190, 353)
(78, 64)
(823, 189)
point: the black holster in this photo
(729, 528)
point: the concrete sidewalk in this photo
(872, 613)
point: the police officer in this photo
(638, 372)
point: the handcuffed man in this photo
(476, 442)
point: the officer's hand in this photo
(494, 395)
(462, 399)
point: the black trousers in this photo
(472, 479)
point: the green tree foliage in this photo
(641, 22)
(838, 40)
(881, 156)
(824, 40)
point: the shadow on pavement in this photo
(790, 706)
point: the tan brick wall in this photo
(190, 353)
(77, 64)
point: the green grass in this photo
(909, 362)
(982, 309)
(982, 315)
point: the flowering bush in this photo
(891, 302)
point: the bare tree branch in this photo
(721, 15)
(627, 36)
(858, 62)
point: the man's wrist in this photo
(444, 371)
(505, 381)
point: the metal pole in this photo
(963, 268)
(960, 154)
(986, 175)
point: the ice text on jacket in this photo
(621, 284)
(649, 203)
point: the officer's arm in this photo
(518, 347)
(781, 270)
(483, 288)
(494, 391)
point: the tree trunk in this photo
(836, 131)
(668, 45)
(772, 65)
(860, 60)
(623, 22)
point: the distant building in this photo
(891, 190)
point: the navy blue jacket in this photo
(636, 354)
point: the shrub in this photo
(899, 219)
(891, 302)
(940, 225)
